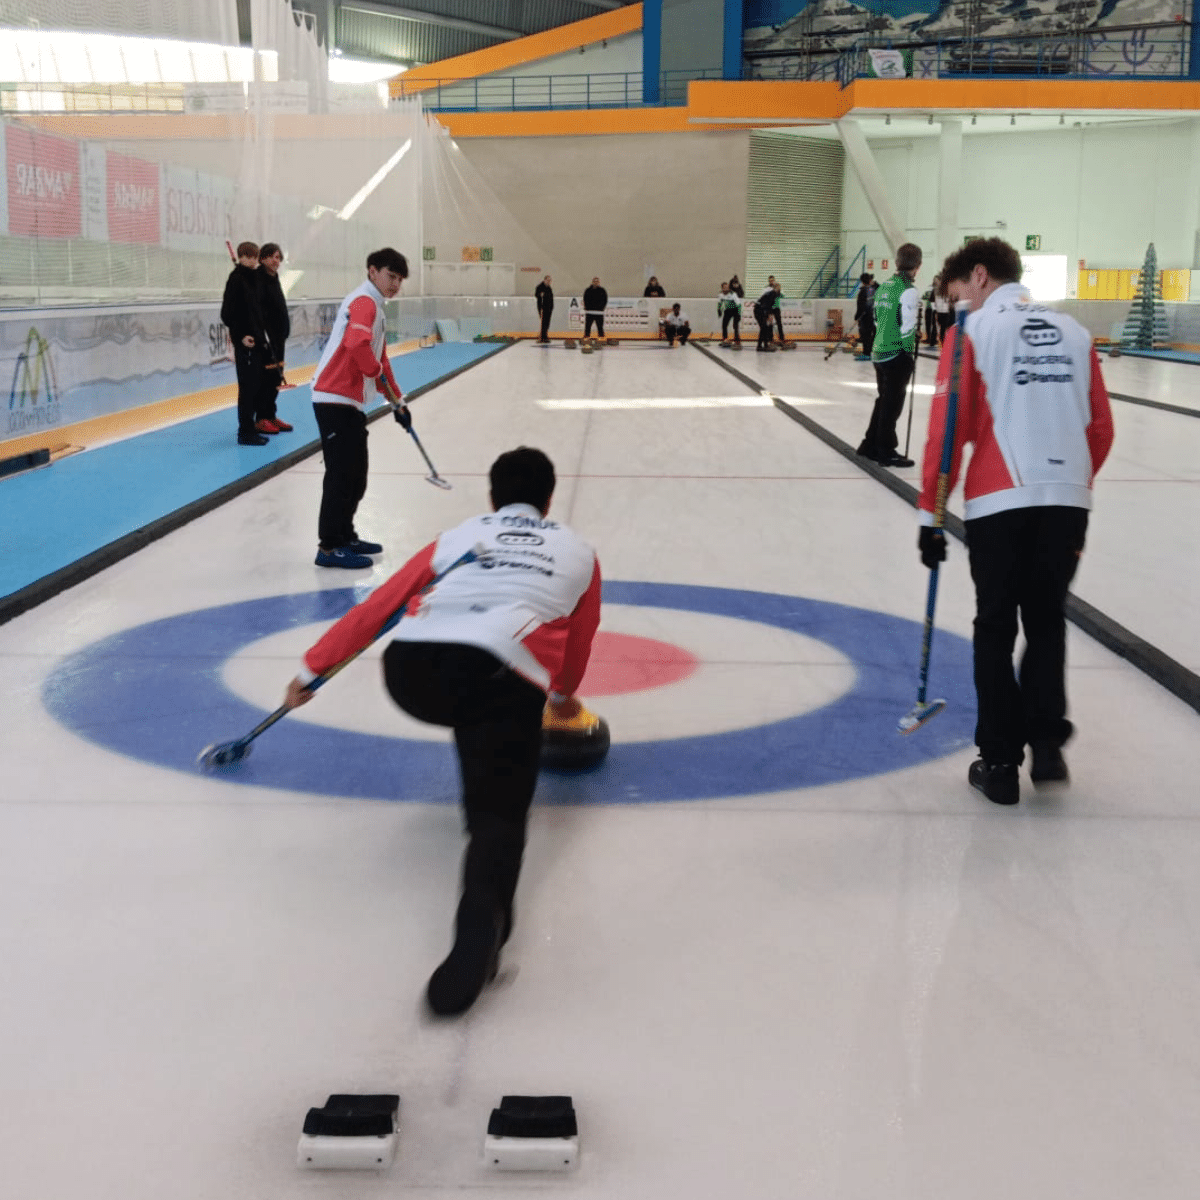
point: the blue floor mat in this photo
(57, 515)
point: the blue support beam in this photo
(731, 56)
(652, 49)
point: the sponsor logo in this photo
(1043, 360)
(1024, 377)
(33, 397)
(43, 182)
(219, 349)
(129, 197)
(1037, 332)
(517, 538)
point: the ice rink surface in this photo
(814, 966)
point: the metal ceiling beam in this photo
(430, 18)
(604, 3)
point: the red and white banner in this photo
(134, 194)
(42, 185)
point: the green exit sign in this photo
(485, 254)
(1033, 241)
(429, 253)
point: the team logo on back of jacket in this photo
(1037, 332)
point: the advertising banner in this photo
(94, 185)
(66, 367)
(199, 210)
(134, 200)
(42, 185)
(631, 315)
(3, 190)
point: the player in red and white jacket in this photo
(480, 646)
(354, 360)
(1033, 405)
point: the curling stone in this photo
(568, 343)
(1114, 352)
(575, 744)
(597, 344)
(586, 349)
(613, 342)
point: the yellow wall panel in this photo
(1176, 285)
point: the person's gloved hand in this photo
(932, 544)
(403, 417)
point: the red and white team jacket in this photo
(532, 598)
(356, 351)
(1031, 401)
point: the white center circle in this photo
(749, 674)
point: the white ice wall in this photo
(1098, 193)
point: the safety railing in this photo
(531, 93)
(1159, 51)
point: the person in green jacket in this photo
(897, 307)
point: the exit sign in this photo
(1033, 241)
(429, 253)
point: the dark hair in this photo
(388, 259)
(247, 249)
(1002, 261)
(908, 257)
(267, 249)
(522, 476)
(865, 277)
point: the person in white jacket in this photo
(485, 643)
(1032, 403)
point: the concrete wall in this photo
(625, 206)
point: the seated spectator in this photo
(654, 288)
(677, 325)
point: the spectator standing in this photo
(1032, 403)
(355, 356)
(456, 661)
(735, 286)
(677, 325)
(654, 288)
(544, 295)
(595, 301)
(777, 311)
(764, 306)
(943, 313)
(894, 353)
(729, 308)
(279, 328)
(241, 313)
(864, 314)
(928, 301)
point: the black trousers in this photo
(866, 331)
(944, 320)
(344, 448)
(931, 327)
(587, 324)
(272, 377)
(497, 721)
(778, 316)
(764, 328)
(547, 313)
(892, 378)
(1022, 561)
(676, 331)
(731, 314)
(250, 363)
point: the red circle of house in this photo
(622, 663)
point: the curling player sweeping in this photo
(494, 649)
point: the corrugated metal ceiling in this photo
(425, 31)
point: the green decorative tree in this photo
(1146, 325)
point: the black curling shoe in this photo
(997, 781)
(472, 963)
(1048, 767)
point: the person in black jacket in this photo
(544, 295)
(777, 311)
(278, 327)
(241, 313)
(764, 309)
(864, 313)
(654, 288)
(735, 286)
(595, 301)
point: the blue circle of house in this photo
(155, 693)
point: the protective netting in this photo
(140, 136)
